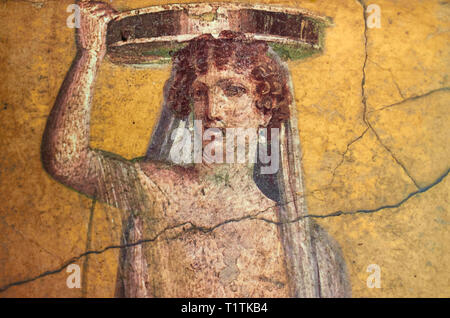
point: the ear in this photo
(265, 118)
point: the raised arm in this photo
(66, 154)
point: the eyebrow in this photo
(223, 83)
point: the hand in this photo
(94, 19)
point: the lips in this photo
(220, 125)
(221, 129)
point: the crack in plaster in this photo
(415, 97)
(364, 99)
(193, 227)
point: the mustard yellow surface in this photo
(374, 125)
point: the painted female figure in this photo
(211, 228)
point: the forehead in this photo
(213, 75)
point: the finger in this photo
(104, 11)
(110, 14)
(95, 13)
(94, 5)
(87, 2)
(113, 13)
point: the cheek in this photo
(247, 112)
(200, 108)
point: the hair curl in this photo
(246, 57)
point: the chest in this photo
(235, 259)
(215, 200)
(226, 250)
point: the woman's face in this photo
(226, 99)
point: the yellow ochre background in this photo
(357, 154)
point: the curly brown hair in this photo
(230, 48)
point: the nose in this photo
(215, 111)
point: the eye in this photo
(234, 90)
(199, 93)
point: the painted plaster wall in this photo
(373, 120)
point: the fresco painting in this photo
(226, 150)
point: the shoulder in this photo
(165, 175)
(164, 170)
